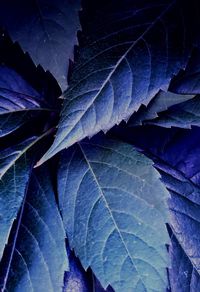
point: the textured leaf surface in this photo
(183, 277)
(183, 115)
(160, 103)
(37, 257)
(176, 154)
(129, 50)
(114, 211)
(46, 29)
(188, 81)
(76, 279)
(17, 100)
(25, 91)
(15, 166)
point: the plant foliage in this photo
(118, 211)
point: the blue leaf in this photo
(183, 115)
(23, 96)
(176, 155)
(183, 277)
(114, 211)
(159, 104)
(16, 163)
(188, 80)
(76, 279)
(46, 29)
(36, 258)
(129, 50)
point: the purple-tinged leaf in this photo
(176, 155)
(46, 29)
(183, 115)
(36, 257)
(160, 103)
(182, 276)
(188, 80)
(23, 88)
(128, 51)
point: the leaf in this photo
(76, 279)
(188, 81)
(129, 50)
(114, 212)
(15, 167)
(182, 275)
(159, 104)
(37, 256)
(46, 29)
(176, 156)
(183, 115)
(22, 95)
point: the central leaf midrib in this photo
(116, 66)
(110, 211)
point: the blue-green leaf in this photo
(114, 210)
(36, 258)
(129, 50)
(15, 167)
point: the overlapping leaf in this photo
(45, 29)
(129, 50)
(176, 155)
(183, 277)
(188, 80)
(16, 163)
(76, 279)
(114, 211)
(159, 104)
(184, 115)
(36, 258)
(23, 93)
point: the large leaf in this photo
(176, 154)
(160, 103)
(46, 29)
(114, 211)
(36, 258)
(129, 50)
(23, 92)
(15, 166)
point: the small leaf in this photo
(114, 211)
(188, 80)
(46, 29)
(76, 279)
(160, 103)
(129, 50)
(37, 258)
(183, 115)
